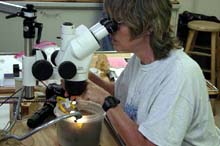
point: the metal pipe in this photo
(17, 112)
(28, 45)
(10, 8)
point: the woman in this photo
(163, 94)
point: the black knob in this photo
(110, 25)
(42, 70)
(67, 70)
(30, 8)
(16, 70)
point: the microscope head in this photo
(77, 51)
(78, 44)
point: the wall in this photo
(52, 15)
(206, 7)
(187, 5)
(79, 13)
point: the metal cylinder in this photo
(28, 45)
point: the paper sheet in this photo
(117, 62)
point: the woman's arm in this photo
(107, 85)
(126, 127)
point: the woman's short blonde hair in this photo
(146, 16)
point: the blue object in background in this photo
(106, 44)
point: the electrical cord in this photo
(44, 84)
(10, 96)
(7, 98)
(16, 112)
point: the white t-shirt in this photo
(169, 101)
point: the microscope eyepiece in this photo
(110, 25)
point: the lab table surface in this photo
(48, 136)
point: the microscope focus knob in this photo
(42, 70)
(67, 70)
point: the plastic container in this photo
(86, 131)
